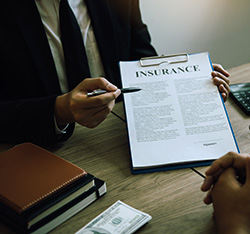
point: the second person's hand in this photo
(221, 79)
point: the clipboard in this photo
(169, 59)
(142, 145)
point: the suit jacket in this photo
(29, 82)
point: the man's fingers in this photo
(208, 199)
(98, 117)
(90, 84)
(208, 182)
(219, 68)
(101, 100)
(231, 159)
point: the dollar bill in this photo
(119, 218)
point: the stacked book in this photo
(39, 190)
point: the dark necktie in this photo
(74, 51)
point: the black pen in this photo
(124, 90)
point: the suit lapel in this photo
(30, 24)
(103, 27)
(28, 18)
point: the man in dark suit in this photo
(35, 105)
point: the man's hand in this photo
(229, 194)
(231, 201)
(231, 159)
(221, 79)
(76, 106)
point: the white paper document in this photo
(119, 218)
(178, 116)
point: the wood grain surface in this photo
(172, 198)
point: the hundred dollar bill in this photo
(119, 218)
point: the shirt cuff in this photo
(60, 129)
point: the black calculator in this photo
(240, 93)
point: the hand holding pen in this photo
(79, 106)
(76, 106)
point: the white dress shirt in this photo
(49, 12)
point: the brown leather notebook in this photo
(29, 174)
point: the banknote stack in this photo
(119, 218)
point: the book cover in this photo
(30, 174)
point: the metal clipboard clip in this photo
(158, 60)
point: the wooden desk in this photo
(172, 198)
